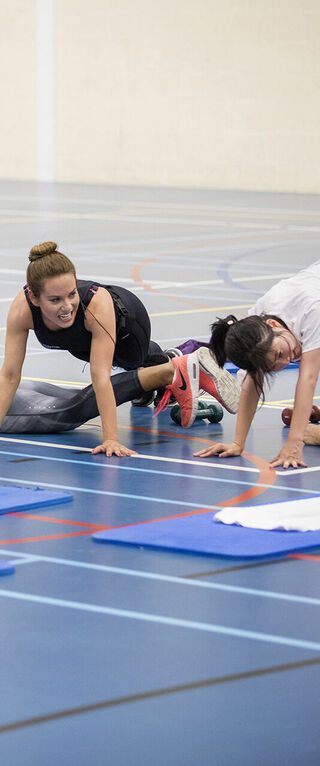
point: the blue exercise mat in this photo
(232, 367)
(6, 568)
(14, 498)
(200, 534)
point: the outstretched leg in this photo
(46, 408)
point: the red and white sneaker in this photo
(217, 381)
(184, 388)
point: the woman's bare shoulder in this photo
(101, 306)
(19, 313)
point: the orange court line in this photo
(307, 556)
(46, 537)
(54, 520)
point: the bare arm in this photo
(291, 452)
(18, 325)
(101, 356)
(247, 407)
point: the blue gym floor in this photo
(124, 656)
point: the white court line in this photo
(163, 578)
(161, 620)
(203, 462)
(188, 207)
(74, 447)
(296, 471)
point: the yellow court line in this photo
(200, 311)
(288, 401)
(61, 382)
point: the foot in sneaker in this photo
(217, 381)
(184, 388)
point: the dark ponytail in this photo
(246, 343)
(217, 343)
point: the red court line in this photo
(307, 556)
(53, 520)
(46, 537)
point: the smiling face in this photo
(58, 301)
(285, 348)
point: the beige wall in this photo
(18, 86)
(186, 93)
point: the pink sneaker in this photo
(218, 382)
(184, 388)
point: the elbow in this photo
(10, 380)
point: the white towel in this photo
(291, 515)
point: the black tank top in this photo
(75, 339)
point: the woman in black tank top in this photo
(101, 324)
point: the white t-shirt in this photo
(297, 302)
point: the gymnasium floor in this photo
(124, 656)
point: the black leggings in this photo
(43, 408)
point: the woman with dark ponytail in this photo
(283, 326)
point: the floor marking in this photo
(215, 572)
(162, 620)
(206, 282)
(140, 455)
(161, 692)
(171, 579)
(307, 556)
(108, 493)
(297, 471)
(176, 474)
(187, 207)
(53, 520)
(200, 310)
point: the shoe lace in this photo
(163, 404)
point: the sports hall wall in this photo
(178, 93)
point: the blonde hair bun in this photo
(38, 251)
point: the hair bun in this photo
(38, 251)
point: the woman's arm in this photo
(18, 325)
(101, 356)
(247, 406)
(291, 452)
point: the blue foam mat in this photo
(14, 498)
(6, 568)
(200, 534)
(232, 367)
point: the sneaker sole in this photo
(193, 372)
(193, 385)
(227, 388)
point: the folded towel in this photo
(292, 515)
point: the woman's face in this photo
(284, 349)
(58, 301)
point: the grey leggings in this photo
(43, 408)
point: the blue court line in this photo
(162, 620)
(176, 474)
(165, 578)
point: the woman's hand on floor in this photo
(113, 447)
(290, 455)
(222, 450)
